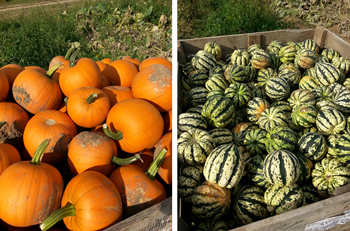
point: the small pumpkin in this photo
(120, 73)
(11, 71)
(133, 59)
(117, 94)
(8, 156)
(155, 60)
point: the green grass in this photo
(36, 37)
(225, 17)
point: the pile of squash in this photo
(87, 141)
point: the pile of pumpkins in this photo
(84, 141)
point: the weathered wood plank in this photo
(254, 39)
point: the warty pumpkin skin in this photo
(155, 60)
(153, 84)
(165, 170)
(8, 156)
(117, 94)
(54, 125)
(11, 71)
(4, 86)
(120, 73)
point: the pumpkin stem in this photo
(91, 98)
(133, 54)
(50, 72)
(40, 151)
(126, 161)
(112, 55)
(59, 214)
(118, 135)
(69, 53)
(157, 162)
(2, 123)
(214, 42)
(73, 57)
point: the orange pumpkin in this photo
(133, 59)
(165, 170)
(11, 71)
(154, 85)
(90, 202)
(104, 82)
(167, 117)
(36, 67)
(139, 125)
(88, 106)
(85, 73)
(54, 125)
(30, 191)
(13, 120)
(60, 59)
(120, 73)
(8, 156)
(155, 60)
(101, 65)
(117, 94)
(106, 61)
(4, 86)
(146, 157)
(36, 91)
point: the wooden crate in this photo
(301, 218)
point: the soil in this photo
(6, 8)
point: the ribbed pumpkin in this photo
(256, 171)
(240, 57)
(290, 73)
(330, 121)
(8, 156)
(304, 115)
(239, 93)
(301, 97)
(261, 59)
(254, 141)
(11, 71)
(120, 73)
(313, 146)
(191, 120)
(117, 94)
(4, 86)
(277, 89)
(271, 118)
(154, 60)
(191, 177)
(308, 83)
(154, 85)
(210, 225)
(280, 138)
(341, 147)
(219, 110)
(214, 49)
(221, 136)
(255, 108)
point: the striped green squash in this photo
(210, 201)
(187, 69)
(347, 128)
(310, 72)
(313, 146)
(197, 109)
(330, 121)
(250, 205)
(224, 166)
(305, 169)
(308, 83)
(221, 63)
(191, 120)
(261, 59)
(342, 78)
(284, 198)
(216, 70)
(219, 110)
(325, 104)
(290, 73)
(291, 43)
(216, 92)
(342, 100)
(275, 61)
(239, 132)
(196, 96)
(216, 82)
(277, 89)
(283, 105)
(342, 63)
(280, 138)
(330, 54)
(214, 49)
(264, 75)
(240, 57)
(271, 118)
(306, 130)
(274, 47)
(298, 45)
(239, 93)
(305, 59)
(326, 74)
(185, 85)
(321, 59)
(221, 136)
(281, 167)
(310, 194)
(238, 117)
(323, 93)
(255, 107)
(287, 54)
(328, 175)
(198, 78)
(346, 83)
(331, 141)
(336, 87)
(228, 58)
(259, 93)
(311, 45)
(301, 97)
(256, 171)
(204, 60)
(253, 48)
(191, 177)
(291, 124)
(210, 225)
(236, 73)
(251, 74)
(193, 147)
(304, 115)
(342, 148)
(254, 141)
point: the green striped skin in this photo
(219, 110)
(291, 124)
(328, 175)
(330, 121)
(264, 75)
(210, 201)
(283, 105)
(281, 138)
(304, 115)
(342, 63)
(330, 54)
(342, 148)
(306, 130)
(281, 167)
(287, 54)
(216, 70)
(325, 104)
(271, 118)
(305, 59)
(298, 45)
(291, 43)
(250, 205)
(221, 136)
(255, 108)
(185, 86)
(197, 110)
(205, 61)
(313, 146)
(308, 83)
(274, 47)
(336, 87)
(196, 96)
(342, 100)
(321, 59)
(210, 225)
(347, 128)
(216, 82)
(326, 74)
(187, 69)
(191, 177)
(239, 132)
(254, 141)
(236, 73)
(224, 166)
(259, 93)
(331, 141)
(191, 120)
(193, 147)
(251, 73)
(301, 97)
(346, 83)
(284, 198)
(342, 78)
(277, 89)
(275, 61)
(305, 170)
(221, 63)
(238, 117)
(290, 73)
(261, 59)
(310, 194)
(311, 45)
(323, 93)
(228, 58)
(252, 49)
(256, 171)
(310, 72)
(239, 93)
(214, 49)
(198, 78)
(240, 57)
(216, 92)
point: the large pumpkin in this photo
(165, 170)
(4, 86)
(153, 84)
(117, 93)
(120, 73)
(155, 60)
(139, 125)
(54, 125)
(11, 71)
(133, 59)
(8, 156)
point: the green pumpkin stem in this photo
(59, 214)
(50, 72)
(91, 98)
(133, 54)
(118, 135)
(157, 162)
(126, 161)
(214, 42)
(73, 57)
(2, 123)
(113, 56)
(69, 53)
(40, 151)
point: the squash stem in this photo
(126, 161)
(69, 53)
(50, 72)
(91, 98)
(112, 55)
(157, 162)
(214, 42)
(133, 54)
(73, 57)
(40, 151)
(59, 214)
(118, 135)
